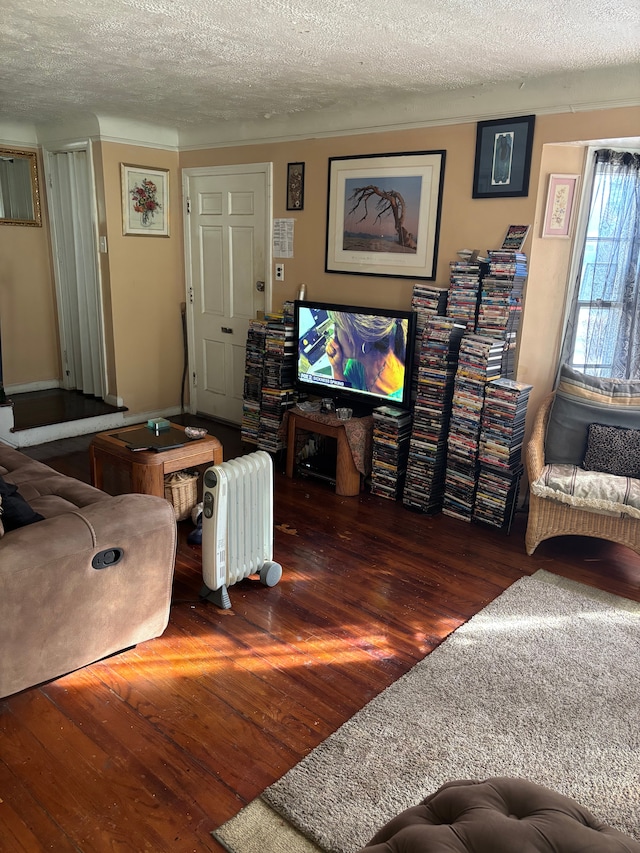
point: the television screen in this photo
(354, 354)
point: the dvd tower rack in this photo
(278, 392)
(500, 303)
(268, 380)
(391, 433)
(479, 361)
(465, 278)
(252, 394)
(500, 451)
(437, 363)
(427, 300)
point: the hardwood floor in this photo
(153, 748)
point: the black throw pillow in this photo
(16, 512)
(613, 450)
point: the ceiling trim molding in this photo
(595, 89)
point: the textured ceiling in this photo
(183, 63)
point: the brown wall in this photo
(143, 282)
(466, 222)
(28, 314)
(143, 277)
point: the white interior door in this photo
(228, 259)
(72, 214)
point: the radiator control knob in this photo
(207, 504)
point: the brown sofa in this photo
(92, 578)
(502, 815)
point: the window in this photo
(603, 331)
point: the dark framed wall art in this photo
(383, 214)
(295, 186)
(503, 157)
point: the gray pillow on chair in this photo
(581, 400)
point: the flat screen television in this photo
(361, 357)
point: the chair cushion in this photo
(501, 815)
(590, 490)
(581, 400)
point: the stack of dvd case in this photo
(464, 291)
(391, 433)
(277, 380)
(479, 361)
(500, 451)
(437, 363)
(427, 300)
(252, 394)
(500, 308)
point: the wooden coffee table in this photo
(148, 467)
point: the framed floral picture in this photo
(561, 200)
(145, 201)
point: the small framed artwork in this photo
(503, 157)
(295, 186)
(561, 199)
(383, 214)
(145, 201)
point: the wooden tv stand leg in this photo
(347, 475)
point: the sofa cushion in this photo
(16, 512)
(613, 450)
(581, 400)
(590, 490)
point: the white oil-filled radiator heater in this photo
(237, 525)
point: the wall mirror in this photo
(19, 189)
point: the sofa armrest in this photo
(58, 612)
(535, 445)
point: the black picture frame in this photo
(295, 186)
(363, 232)
(503, 157)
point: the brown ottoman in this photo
(498, 816)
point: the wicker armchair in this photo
(549, 518)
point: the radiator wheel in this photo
(270, 573)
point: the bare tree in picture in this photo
(388, 201)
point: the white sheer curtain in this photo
(603, 331)
(74, 243)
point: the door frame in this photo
(64, 331)
(265, 169)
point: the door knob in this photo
(260, 286)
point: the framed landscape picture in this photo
(383, 214)
(145, 201)
(503, 157)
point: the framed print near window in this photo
(383, 214)
(561, 199)
(295, 186)
(503, 157)
(145, 201)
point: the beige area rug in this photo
(544, 683)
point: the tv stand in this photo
(347, 477)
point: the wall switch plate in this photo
(279, 272)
